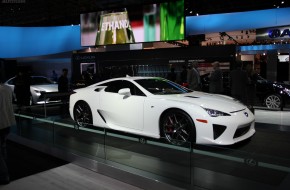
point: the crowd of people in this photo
(242, 80)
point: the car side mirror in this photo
(125, 92)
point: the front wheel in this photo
(82, 114)
(273, 101)
(177, 127)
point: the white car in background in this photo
(156, 107)
(39, 85)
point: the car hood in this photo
(46, 87)
(206, 100)
(280, 85)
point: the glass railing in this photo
(150, 158)
(262, 161)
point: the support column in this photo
(272, 65)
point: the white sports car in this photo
(39, 85)
(156, 107)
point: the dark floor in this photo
(31, 169)
(24, 161)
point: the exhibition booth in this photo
(147, 45)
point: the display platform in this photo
(262, 162)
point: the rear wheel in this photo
(82, 114)
(177, 127)
(273, 101)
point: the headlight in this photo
(287, 91)
(215, 113)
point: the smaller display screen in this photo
(146, 23)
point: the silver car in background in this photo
(39, 85)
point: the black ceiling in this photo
(203, 7)
(66, 12)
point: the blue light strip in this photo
(237, 21)
(263, 47)
(18, 42)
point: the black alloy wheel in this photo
(273, 101)
(83, 114)
(177, 127)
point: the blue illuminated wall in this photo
(237, 21)
(18, 42)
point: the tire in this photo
(273, 101)
(177, 127)
(83, 114)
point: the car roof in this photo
(137, 77)
(129, 78)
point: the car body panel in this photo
(141, 114)
(122, 111)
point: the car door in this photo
(122, 111)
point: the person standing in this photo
(238, 83)
(251, 87)
(22, 92)
(63, 81)
(172, 75)
(216, 79)
(183, 76)
(7, 119)
(63, 87)
(193, 77)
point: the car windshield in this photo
(40, 81)
(159, 86)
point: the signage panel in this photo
(144, 23)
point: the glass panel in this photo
(46, 125)
(152, 158)
(84, 141)
(262, 161)
(242, 166)
(34, 128)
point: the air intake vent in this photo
(218, 130)
(241, 131)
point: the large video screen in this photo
(146, 23)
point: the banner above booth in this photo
(19, 42)
(237, 21)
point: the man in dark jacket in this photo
(63, 82)
(22, 84)
(216, 79)
(63, 86)
(239, 82)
